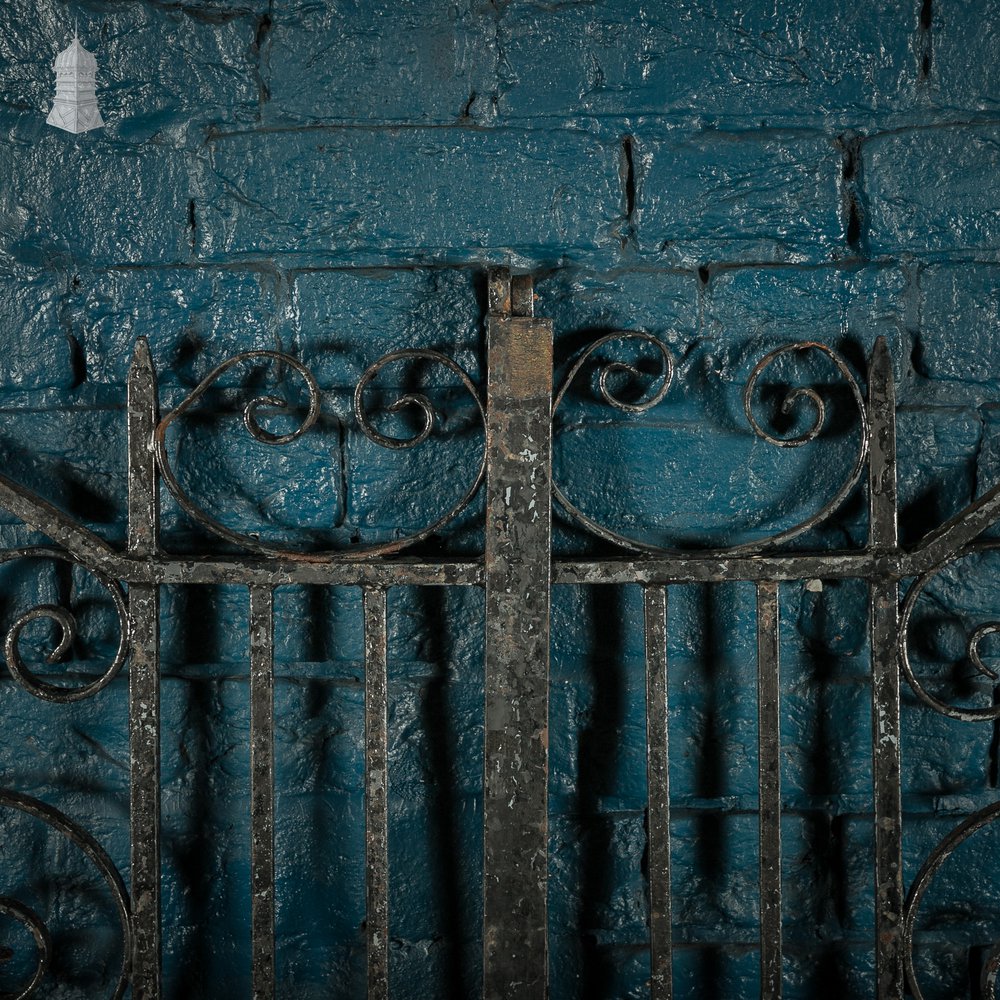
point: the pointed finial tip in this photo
(141, 356)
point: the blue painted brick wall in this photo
(330, 179)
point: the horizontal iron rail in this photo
(703, 567)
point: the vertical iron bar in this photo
(518, 576)
(658, 781)
(376, 794)
(884, 620)
(144, 680)
(769, 765)
(262, 792)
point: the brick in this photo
(821, 759)
(392, 494)
(144, 89)
(959, 338)
(38, 346)
(74, 458)
(713, 489)
(713, 736)
(432, 892)
(415, 194)
(943, 756)
(615, 843)
(933, 191)
(417, 62)
(317, 632)
(936, 451)
(63, 192)
(715, 968)
(289, 230)
(215, 457)
(436, 629)
(194, 319)
(754, 310)
(832, 642)
(345, 320)
(965, 50)
(586, 304)
(801, 61)
(597, 730)
(738, 196)
(436, 727)
(597, 963)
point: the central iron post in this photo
(518, 579)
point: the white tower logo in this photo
(75, 106)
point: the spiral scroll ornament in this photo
(43, 943)
(66, 624)
(98, 857)
(417, 402)
(809, 397)
(973, 649)
(607, 371)
(793, 401)
(254, 428)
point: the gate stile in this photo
(517, 571)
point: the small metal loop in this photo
(413, 400)
(43, 943)
(664, 379)
(257, 431)
(990, 628)
(788, 403)
(423, 405)
(253, 426)
(989, 714)
(609, 369)
(67, 625)
(98, 857)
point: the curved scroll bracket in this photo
(98, 857)
(944, 850)
(66, 624)
(794, 401)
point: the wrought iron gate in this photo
(517, 572)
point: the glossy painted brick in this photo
(705, 196)
(933, 190)
(359, 62)
(965, 48)
(822, 63)
(960, 334)
(414, 194)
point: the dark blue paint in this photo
(330, 179)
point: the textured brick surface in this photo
(798, 61)
(933, 190)
(738, 196)
(331, 180)
(357, 196)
